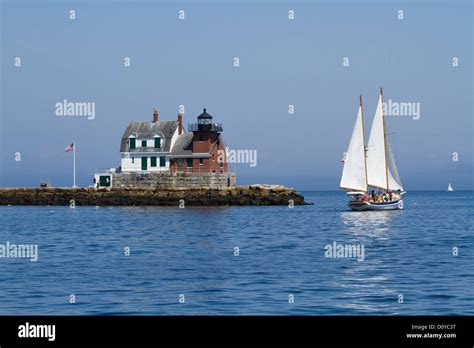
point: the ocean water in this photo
(189, 254)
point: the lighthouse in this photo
(202, 149)
(161, 154)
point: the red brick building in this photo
(201, 150)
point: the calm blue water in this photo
(191, 251)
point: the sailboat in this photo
(372, 166)
(450, 188)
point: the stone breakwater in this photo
(234, 195)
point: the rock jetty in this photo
(234, 195)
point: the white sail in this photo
(376, 157)
(450, 188)
(354, 172)
(394, 182)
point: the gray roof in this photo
(148, 130)
(204, 114)
(183, 145)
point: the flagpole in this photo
(74, 163)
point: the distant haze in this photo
(283, 62)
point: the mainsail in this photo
(381, 169)
(376, 159)
(354, 171)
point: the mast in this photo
(364, 148)
(384, 139)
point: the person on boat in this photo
(374, 197)
(397, 195)
(363, 198)
(391, 195)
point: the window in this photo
(162, 161)
(189, 162)
(221, 164)
(152, 161)
(157, 143)
(143, 143)
(132, 143)
(133, 159)
(201, 162)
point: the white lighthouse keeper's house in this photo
(144, 147)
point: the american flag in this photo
(69, 147)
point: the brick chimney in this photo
(180, 123)
(155, 115)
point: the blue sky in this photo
(282, 62)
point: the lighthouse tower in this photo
(207, 139)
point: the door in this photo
(144, 163)
(104, 181)
(162, 161)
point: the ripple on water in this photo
(281, 252)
